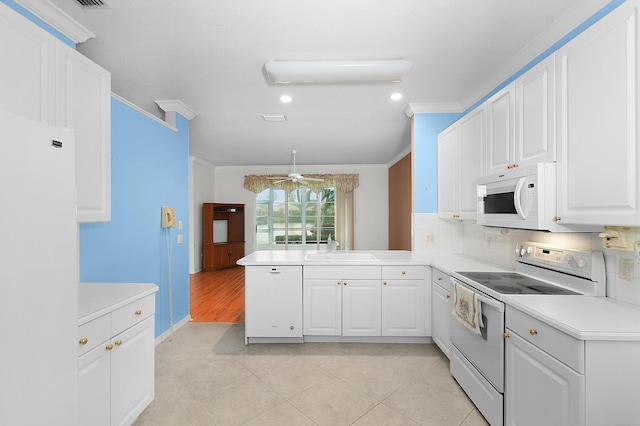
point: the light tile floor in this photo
(205, 375)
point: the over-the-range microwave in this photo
(524, 198)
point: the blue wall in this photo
(427, 126)
(30, 16)
(149, 169)
(425, 153)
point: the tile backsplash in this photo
(495, 245)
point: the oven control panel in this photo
(574, 262)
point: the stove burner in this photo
(514, 283)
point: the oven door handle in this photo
(495, 304)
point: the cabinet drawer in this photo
(442, 280)
(132, 313)
(403, 272)
(342, 272)
(561, 346)
(93, 333)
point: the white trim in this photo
(399, 157)
(177, 106)
(432, 108)
(167, 334)
(58, 19)
(142, 111)
(202, 162)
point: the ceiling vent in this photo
(274, 118)
(93, 4)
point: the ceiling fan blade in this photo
(276, 177)
(314, 179)
(282, 180)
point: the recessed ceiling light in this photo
(285, 98)
(396, 96)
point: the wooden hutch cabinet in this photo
(222, 235)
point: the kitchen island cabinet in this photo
(381, 299)
(116, 352)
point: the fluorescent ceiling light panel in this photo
(389, 70)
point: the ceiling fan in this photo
(293, 176)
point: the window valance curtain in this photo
(344, 183)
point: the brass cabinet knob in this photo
(557, 218)
(533, 331)
(338, 282)
(403, 273)
(109, 347)
(448, 296)
(505, 335)
(139, 312)
(384, 283)
(439, 278)
(345, 283)
(84, 341)
(118, 342)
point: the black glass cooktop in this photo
(514, 283)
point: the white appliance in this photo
(38, 274)
(522, 197)
(477, 361)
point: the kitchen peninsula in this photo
(358, 296)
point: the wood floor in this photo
(218, 296)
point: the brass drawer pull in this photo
(109, 347)
(139, 312)
(118, 342)
(505, 335)
(533, 331)
(84, 341)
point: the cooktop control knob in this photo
(529, 250)
(523, 251)
(581, 263)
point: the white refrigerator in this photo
(38, 274)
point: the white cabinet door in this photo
(472, 144)
(94, 384)
(535, 139)
(28, 68)
(84, 104)
(441, 316)
(322, 307)
(403, 307)
(448, 163)
(598, 79)
(540, 390)
(273, 301)
(132, 372)
(500, 130)
(361, 308)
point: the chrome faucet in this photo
(331, 244)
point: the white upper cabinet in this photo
(500, 130)
(460, 149)
(48, 81)
(84, 104)
(28, 68)
(535, 139)
(597, 83)
(521, 121)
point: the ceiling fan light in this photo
(388, 70)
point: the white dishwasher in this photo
(273, 304)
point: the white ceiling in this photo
(210, 55)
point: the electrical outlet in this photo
(625, 269)
(180, 239)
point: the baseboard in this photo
(164, 336)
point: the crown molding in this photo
(143, 111)
(432, 108)
(58, 19)
(177, 106)
(406, 151)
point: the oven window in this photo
(499, 203)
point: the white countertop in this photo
(297, 257)
(583, 317)
(97, 299)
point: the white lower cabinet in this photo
(552, 378)
(442, 306)
(273, 301)
(403, 301)
(116, 364)
(342, 301)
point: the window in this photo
(294, 220)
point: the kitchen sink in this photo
(340, 256)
